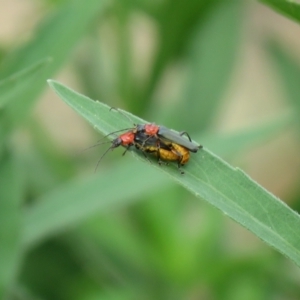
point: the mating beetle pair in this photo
(165, 144)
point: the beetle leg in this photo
(185, 133)
(127, 148)
(179, 164)
(179, 169)
(159, 161)
(146, 157)
(150, 136)
(119, 111)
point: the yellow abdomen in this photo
(176, 153)
(182, 153)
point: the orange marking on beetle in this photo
(127, 138)
(151, 129)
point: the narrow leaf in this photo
(289, 70)
(58, 210)
(289, 8)
(209, 69)
(176, 23)
(233, 143)
(56, 39)
(10, 223)
(212, 179)
(17, 84)
(79, 199)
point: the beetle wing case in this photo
(175, 137)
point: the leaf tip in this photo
(52, 83)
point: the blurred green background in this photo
(225, 71)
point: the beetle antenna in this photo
(98, 143)
(93, 146)
(119, 111)
(185, 133)
(110, 148)
(114, 133)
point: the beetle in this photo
(129, 139)
(164, 150)
(162, 132)
(166, 144)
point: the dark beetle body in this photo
(162, 132)
(163, 149)
(164, 143)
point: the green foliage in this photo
(10, 222)
(12, 87)
(210, 178)
(65, 28)
(289, 8)
(133, 229)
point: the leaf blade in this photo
(56, 39)
(10, 223)
(289, 8)
(207, 176)
(16, 84)
(78, 199)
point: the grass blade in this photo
(212, 179)
(209, 69)
(56, 39)
(10, 223)
(289, 8)
(15, 85)
(58, 210)
(73, 202)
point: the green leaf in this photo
(208, 177)
(209, 69)
(287, 7)
(10, 223)
(79, 199)
(56, 38)
(17, 84)
(57, 210)
(289, 70)
(233, 143)
(176, 23)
